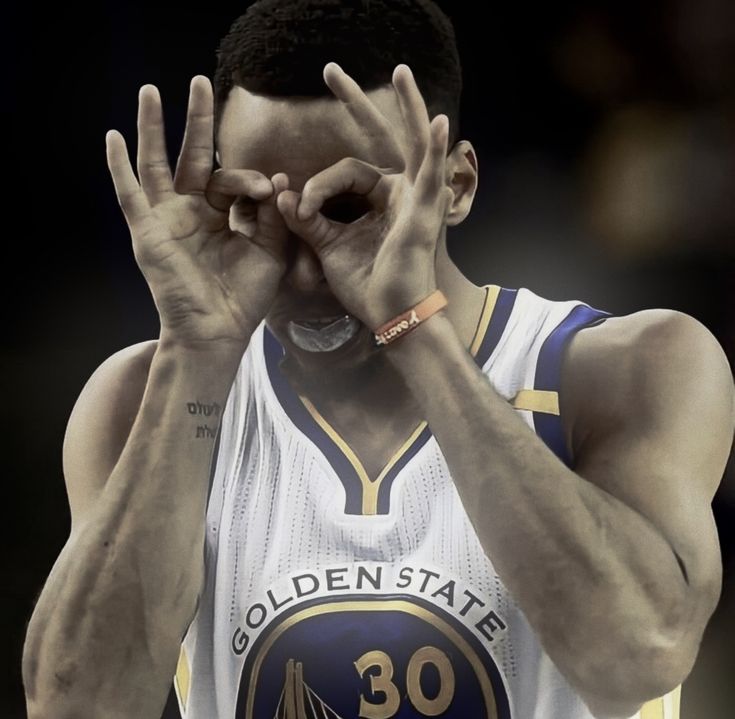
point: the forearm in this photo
(124, 589)
(575, 547)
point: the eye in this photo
(346, 208)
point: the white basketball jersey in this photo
(332, 594)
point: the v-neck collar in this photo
(364, 495)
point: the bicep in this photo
(100, 423)
(657, 428)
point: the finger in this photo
(153, 166)
(272, 229)
(415, 116)
(317, 230)
(132, 199)
(368, 118)
(196, 158)
(347, 175)
(432, 173)
(224, 185)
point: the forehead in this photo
(298, 136)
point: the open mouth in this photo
(323, 334)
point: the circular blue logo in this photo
(371, 656)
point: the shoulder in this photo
(100, 422)
(116, 384)
(128, 363)
(636, 370)
(650, 408)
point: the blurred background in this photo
(606, 140)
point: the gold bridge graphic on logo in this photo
(298, 700)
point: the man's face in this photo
(301, 137)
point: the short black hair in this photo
(280, 48)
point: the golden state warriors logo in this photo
(371, 656)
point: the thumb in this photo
(316, 230)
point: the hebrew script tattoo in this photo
(202, 409)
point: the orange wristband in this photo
(410, 319)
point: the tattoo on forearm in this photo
(204, 431)
(206, 409)
(207, 432)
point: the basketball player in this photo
(427, 498)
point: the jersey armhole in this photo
(548, 425)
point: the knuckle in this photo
(156, 164)
(126, 201)
(351, 164)
(200, 116)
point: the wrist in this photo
(408, 320)
(422, 338)
(221, 355)
(214, 347)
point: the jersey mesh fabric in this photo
(277, 511)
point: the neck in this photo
(465, 299)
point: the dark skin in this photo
(641, 479)
(624, 541)
(310, 138)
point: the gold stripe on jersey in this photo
(675, 702)
(665, 707)
(493, 292)
(653, 709)
(399, 453)
(369, 488)
(182, 678)
(537, 400)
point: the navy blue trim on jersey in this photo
(387, 483)
(548, 374)
(345, 470)
(501, 313)
(307, 424)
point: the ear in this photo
(462, 178)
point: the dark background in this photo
(606, 141)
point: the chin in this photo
(352, 353)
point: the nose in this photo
(305, 270)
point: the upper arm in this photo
(100, 423)
(651, 411)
